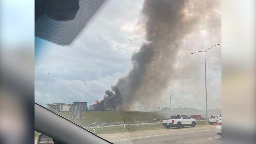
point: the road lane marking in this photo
(177, 133)
(161, 133)
(216, 137)
(125, 139)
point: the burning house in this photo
(94, 105)
(111, 101)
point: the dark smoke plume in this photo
(166, 23)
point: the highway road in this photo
(203, 134)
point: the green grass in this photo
(111, 117)
(90, 117)
(201, 123)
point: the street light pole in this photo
(171, 101)
(206, 109)
(205, 89)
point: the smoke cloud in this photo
(166, 23)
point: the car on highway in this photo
(218, 127)
(214, 119)
(179, 121)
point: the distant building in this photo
(66, 107)
(56, 107)
(197, 117)
(185, 109)
(83, 104)
(214, 110)
(165, 109)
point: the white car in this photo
(218, 127)
(214, 119)
(179, 121)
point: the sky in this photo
(102, 54)
(13, 21)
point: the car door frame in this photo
(62, 129)
(184, 120)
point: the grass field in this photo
(90, 117)
(200, 123)
(111, 117)
(129, 128)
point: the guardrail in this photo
(102, 125)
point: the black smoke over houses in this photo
(166, 23)
(111, 100)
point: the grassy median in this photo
(129, 128)
(109, 117)
(201, 123)
(90, 117)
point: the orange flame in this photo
(96, 102)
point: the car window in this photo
(175, 117)
(120, 68)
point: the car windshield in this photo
(118, 68)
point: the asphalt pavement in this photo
(202, 134)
